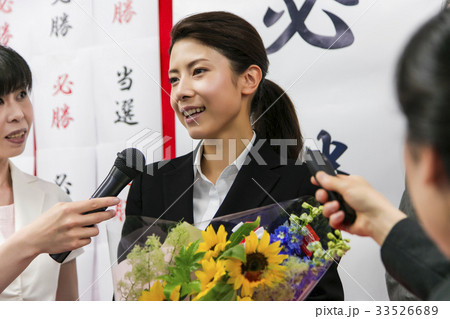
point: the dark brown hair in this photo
(423, 85)
(15, 73)
(272, 112)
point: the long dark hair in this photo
(15, 73)
(272, 112)
(423, 85)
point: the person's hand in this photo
(375, 215)
(63, 227)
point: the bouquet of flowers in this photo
(277, 252)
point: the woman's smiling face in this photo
(206, 94)
(16, 118)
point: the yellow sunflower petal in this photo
(201, 275)
(156, 293)
(251, 242)
(203, 246)
(238, 282)
(276, 259)
(219, 248)
(208, 255)
(145, 296)
(246, 289)
(244, 298)
(221, 234)
(201, 295)
(175, 294)
(273, 249)
(209, 236)
(211, 273)
(233, 266)
(264, 242)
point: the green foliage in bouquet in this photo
(150, 261)
(243, 231)
(250, 264)
(337, 247)
(179, 276)
(147, 264)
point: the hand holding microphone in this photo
(63, 227)
(317, 162)
(60, 228)
(128, 164)
(375, 214)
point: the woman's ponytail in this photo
(273, 116)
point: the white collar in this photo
(238, 162)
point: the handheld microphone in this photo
(128, 164)
(316, 161)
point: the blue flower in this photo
(281, 234)
(294, 244)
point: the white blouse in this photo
(32, 197)
(7, 223)
(207, 196)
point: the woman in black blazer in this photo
(218, 65)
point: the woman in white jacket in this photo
(35, 218)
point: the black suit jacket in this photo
(416, 262)
(166, 191)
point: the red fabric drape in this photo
(168, 116)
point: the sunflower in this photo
(211, 273)
(213, 243)
(175, 294)
(156, 293)
(243, 298)
(262, 265)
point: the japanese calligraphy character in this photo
(120, 210)
(5, 35)
(63, 1)
(60, 25)
(60, 179)
(61, 117)
(123, 12)
(127, 108)
(339, 149)
(124, 80)
(63, 85)
(5, 6)
(343, 37)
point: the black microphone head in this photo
(130, 161)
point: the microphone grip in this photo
(349, 212)
(111, 186)
(60, 257)
(316, 161)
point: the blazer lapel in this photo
(253, 183)
(178, 186)
(28, 199)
